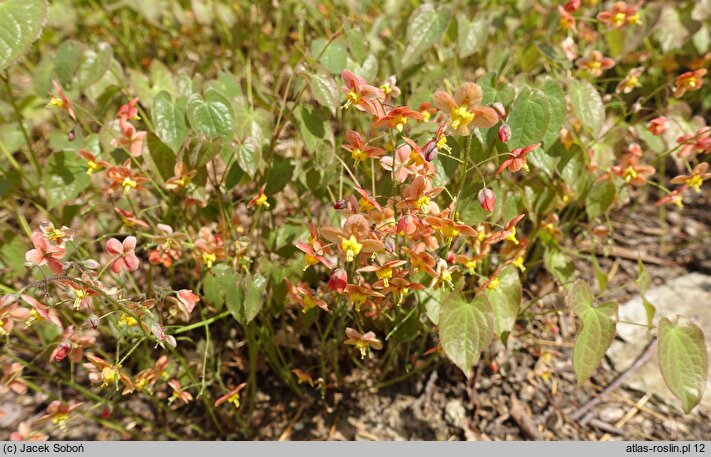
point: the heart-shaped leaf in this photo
(211, 118)
(64, 178)
(587, 105)
(425, 27)
(505, 300)
(325, 91)
(21, 23)
(529, 117)
(93, 65)
(465, 329)
(597, 330)
(169, 120)
(683, 360)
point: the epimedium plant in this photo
(378, 210)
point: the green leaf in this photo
(559, 265)
(587, 105)
(596, 333)
(599, 199)
(314, 125)
(325, 91)
(64, 178)
(643, 284)
(600, 275)
(169, 121)
(161, 158)
(495, 90)
(253, 299)
(12, 254)
(221, 286)
(67, 61)
(21, 23)
(248, 156)
(465, 329)
(669, 30)
(556, 100)
(529, 118)
(683, 360)
(211, 118)
(505, 300)
(425, 27)
(615, 42)
(282, 170)
(333, 57)
(471, 35)
(94, 64)
(357, 42)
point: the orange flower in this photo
(658, 125)
(463, 109)
(694, 179)
(92, 163)
(353, 238)
(58, 412)
(61, 101)
(620, 15)
(676, 197)
(232, 396)
(595, 63)
(178, 393)
(359, 149)
(418, 194)
(362, 342)
(260, 199)
(123, 176)
(691, 80)
(182, 177)
(397, 118)
(630, 82)
(384, 272)
(632, 171)
(362, 95)
(517, 159)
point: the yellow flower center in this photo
(108, 376)
(208, 258)
(60, 420)
(423, 203)
(385, 274)
(358, 298)
(386, 88)
(461, 117)
(595, 65)
(351, 247)
(691, 83)
(351, 98)
(127, 321)
(234, 399)
(518, 263)
(471, 265)
(493, 284)
(80, 295)
(35, 316)
(512, 236)
(358, 156)
(92, 167)
(442, 144)
(619, 18)
(128, 184)
(695, 183)
(262, 201)
(400, 122)
(365, 204)
(425, 116)
(310, 261)
(629, 174)
(634, 19)
(56, 101)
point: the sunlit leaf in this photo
(528, 118)
(93, 65)
(471, 35)
(505, 300)
(325, 91)
(169, 120)
(596, 333)
(64, 178)
(683, 360)
(211, 118)
(465, 329)
(587, 105)
(21, 23)
(424, 29)
(600, 198)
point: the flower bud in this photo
(91, 264)
(430, 150)
(407, 225)
(450, 257)
(340, 204)
(157, 331)
(389, 245)
(504, 133)
(63, 350)
(338, 280)
(658, 125)
(93, 321)
(487, 199)
(500, 110)
(71, 135)
(572, 6)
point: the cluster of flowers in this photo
(388, 246)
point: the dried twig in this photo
(523, 419)
(626, 253)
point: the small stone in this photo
(611, 414)
(454, 413)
